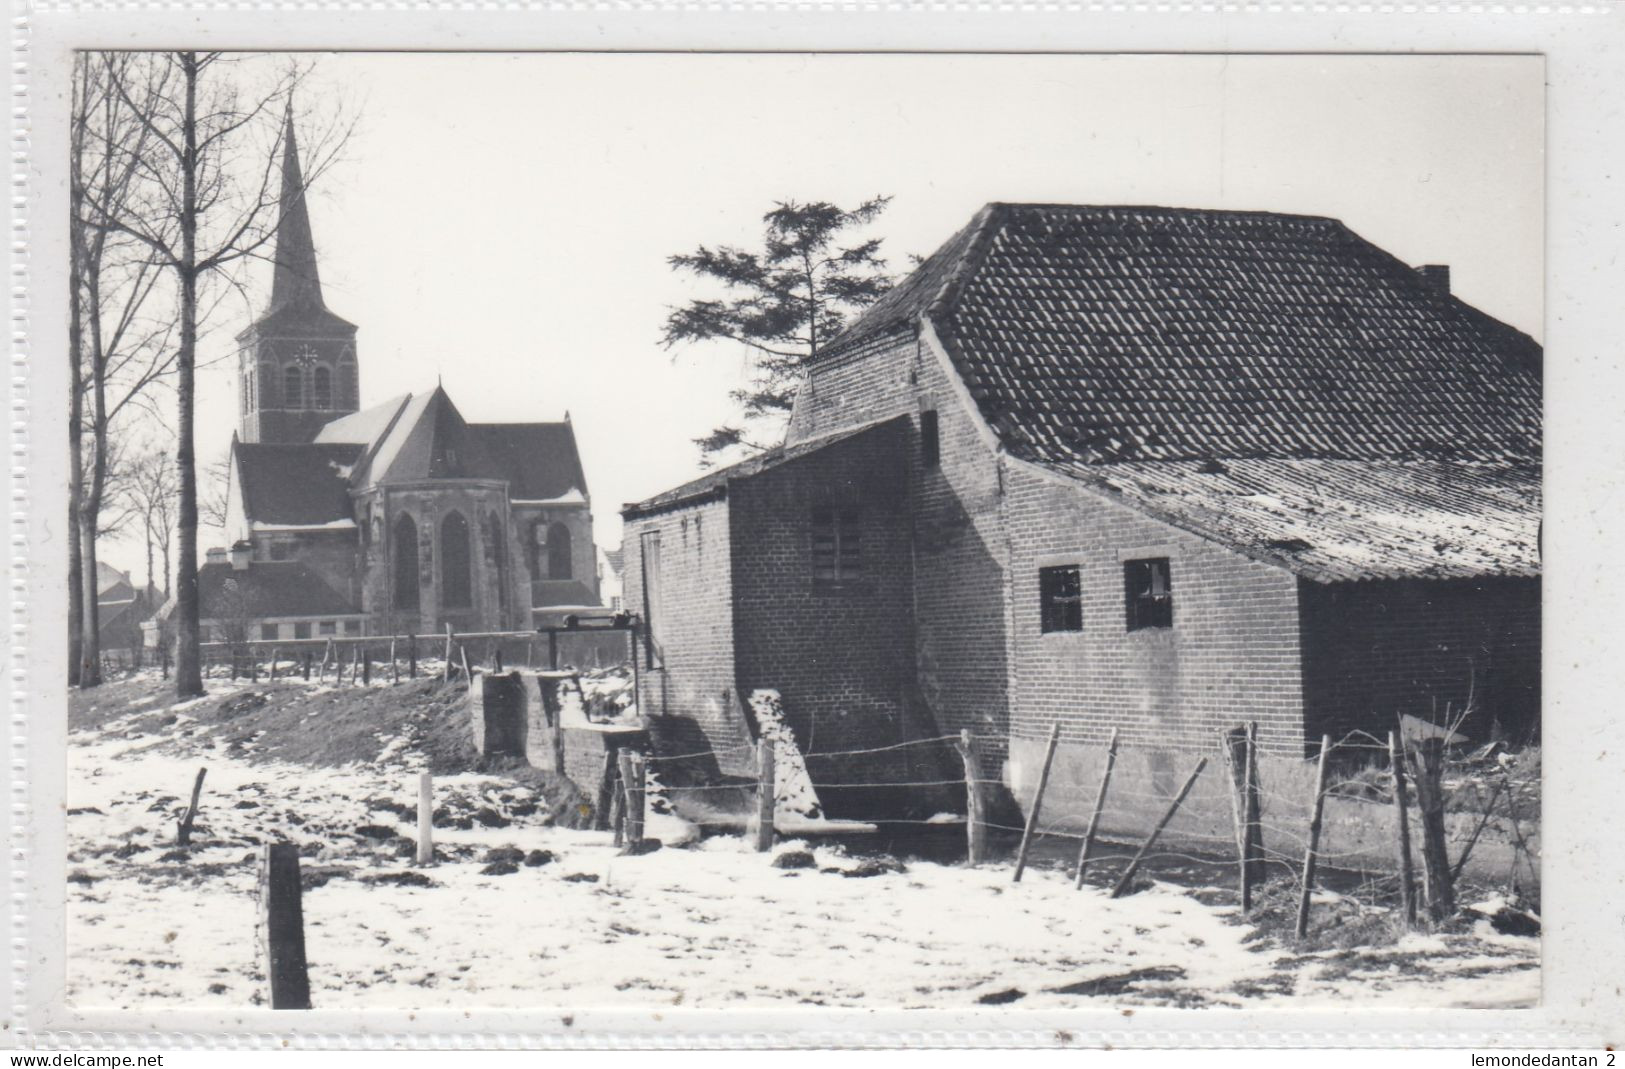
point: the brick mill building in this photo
(402, 517)
(1149, 469)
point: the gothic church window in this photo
(293, 394)
(322, 389)
(456, 580)
(406, 564)
(558, 552)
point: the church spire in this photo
(296, 283)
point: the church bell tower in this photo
(296, 363)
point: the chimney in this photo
(239, 556)
(214, 555)
(1437, 276)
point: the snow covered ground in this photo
(707, 925)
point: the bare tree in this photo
(214, 492)
(152, 492)
(118, 350)
(205, 200)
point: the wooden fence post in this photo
(496, 659)
(1038, 802)
(468, 673)
(1313, 846)
(426, 818)
(1428, 759)
(606, 792)
(1254, 811)
(447, 676)
(975, 819)
(304, 665)
(1234, 744)
(1094, 816)
(617, 812)
(394, 662)
(282, 914)
(183, 829)
(1124, 880)
(412, 654)
(1402, 827)
(366, 666)
(766, 794)
(633, 779)
(276, 652)
(553, 650)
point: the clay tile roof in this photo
(268, 588)
(296, 485)
(1100, 334)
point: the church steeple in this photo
(296, 283)
(297, 368)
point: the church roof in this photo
(268, 588)
(1090, 334)
(296, 485)
(364, 427)
(539, 460)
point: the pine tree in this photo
(783, 303)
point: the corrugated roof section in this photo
(1340, 520)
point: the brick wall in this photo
(1378, 649)
(691, 679)
(1231, 655)
(840, 653)
(960, 606)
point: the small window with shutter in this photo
(1148, 593)
(837, 545)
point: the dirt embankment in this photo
(422, 723)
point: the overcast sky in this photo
(502, 222)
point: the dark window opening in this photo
(322, 388)
(1148, 593)
(292, 387)
(352, 627)
(1060, 598)
(456, 580)
(269, 632)
(558, 552)
(930, 439)
(301, 630)
(406, 564)
(281, 550)
(329, 627)
(837, 545)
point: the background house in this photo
(1157, 470)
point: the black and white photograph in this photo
(803, 531)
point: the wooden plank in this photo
(766, 794)
(1312, 849)
(282, 915)
(1427, 758)
(1094, 815)
(425, 818)
(1402, 828)
(183, 830)
(975, 816)
(1037, 803)
(1124, 880)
